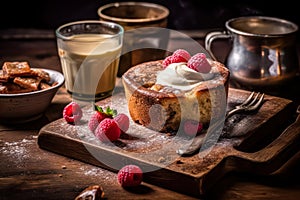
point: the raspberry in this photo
(192, 127)
(95, 119)
(199, 63)
(177, 59)
(107, 130)
(180, 55)
(72, 113)
(183, 54)
(99, 115)
(130, 176)
(167, 61)
(123, 121)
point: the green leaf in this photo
(98, 108)
(109, 111)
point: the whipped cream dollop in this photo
(179, 76)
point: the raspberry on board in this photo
(123, 121)
(99, 115)
(130, 176)
(72, 112)
(95, 119)
(108, 130)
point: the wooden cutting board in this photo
(246, 145)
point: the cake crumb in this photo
(161, 159)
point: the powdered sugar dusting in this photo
(90, 171)
(94, 171)
(17, 150)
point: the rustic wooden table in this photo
(29, 172)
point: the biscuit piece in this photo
(3, 89)
(44, 86)
(12, 88)
(14, 69)
(3, 76)
(41, 73)
(28, 82)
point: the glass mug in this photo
(263, 51)
(89, 52)
(145, 37)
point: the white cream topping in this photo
(179, 76)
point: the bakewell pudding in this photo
(162, 94)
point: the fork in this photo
(252, 103)
(249, 105)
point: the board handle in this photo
(271, 157)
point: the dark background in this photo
(184, 14)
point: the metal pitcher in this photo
(263, 50)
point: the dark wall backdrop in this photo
(184, 14)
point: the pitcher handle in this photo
(210, 37)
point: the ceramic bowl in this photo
(25, 107)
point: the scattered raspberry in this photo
(99, 115)
(123, 121)
(183, 54)
(199, 63)
(107, 130)
(192, 127)
(130, 176)
(72, 112)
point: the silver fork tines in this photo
(252, 103)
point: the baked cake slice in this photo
(160, 99)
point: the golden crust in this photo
(164, 111)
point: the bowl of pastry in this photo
(26, 92)
(164, 94)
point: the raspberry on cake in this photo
(161, 97)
